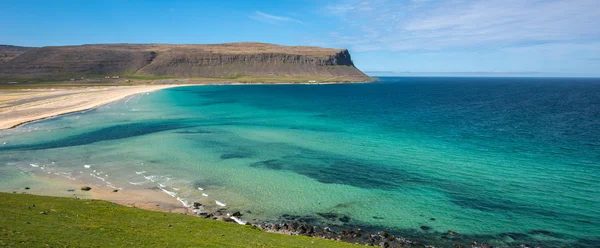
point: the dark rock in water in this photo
(383, 234)
(425, 228)
(27, 188)
(197, 205)
(432, 219)
(248, 212)
(345, 219)
(384, 244)
(377, 218)
(115, 190)
(484, 245)
(71, 190)
(237, 214)
(86, 188)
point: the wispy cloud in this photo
(409, 25)
(272, 19)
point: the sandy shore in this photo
(55, 185)
(21, 106)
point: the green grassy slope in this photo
(86, 223)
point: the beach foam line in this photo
(237, 220)
(140, 172)
(150, 178)
(184, 202)
(220, 203)
(173, 194)
(140, 183)
(100, 178)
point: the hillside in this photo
(43, 221)
(9, 52)
(217, 60)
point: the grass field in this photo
(42, 221)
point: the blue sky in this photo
(492, 37)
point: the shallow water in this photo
(504, 160)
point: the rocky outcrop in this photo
(221, 60)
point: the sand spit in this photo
(22, 106)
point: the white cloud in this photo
(272, 19)
(409, 25)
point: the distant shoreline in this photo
(22, 106)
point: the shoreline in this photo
(78, 99)
(156, 200)
(66, 102)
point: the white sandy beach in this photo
(21, 106)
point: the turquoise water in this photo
(503, 160)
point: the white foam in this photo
(87, 166)
(205, 195)
(162, 185)
(173, 194)
(239, 221)
(103, 180)
(140, 172)
(185, 203)
(34, 165)
(200, 188)
(150, 178)
(140, 183)
(221, 204)
(176, 189)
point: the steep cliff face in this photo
(184, 60)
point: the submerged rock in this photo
(86, 188)
(345, 219)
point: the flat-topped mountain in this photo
(211, 60)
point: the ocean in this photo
(508, 161)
